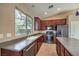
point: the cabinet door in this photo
(35, 49)
(67, 53)
(39, 42)
(62, 51)
(5, 52)
(36, 23)
(29, 51)
(58, 48)
(57, 22)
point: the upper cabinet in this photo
(60, 22)
(41, 24)
(45, 23)
(36, 23)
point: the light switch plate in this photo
(1, 36)
(9, 35)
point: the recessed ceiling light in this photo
(58, 9)
(45, 13)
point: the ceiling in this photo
(41, 9)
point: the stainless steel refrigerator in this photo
(62, 30)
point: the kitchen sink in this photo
(32, 38)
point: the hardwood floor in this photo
(47, 50)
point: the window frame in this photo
(25, 20)
(32, 23)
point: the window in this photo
(20, 22)
(29, 25)
(23, 23)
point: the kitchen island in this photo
(27, 47)
(67, 46)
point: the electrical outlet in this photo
(9, 35)
(1, 36)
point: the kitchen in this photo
(29, 29)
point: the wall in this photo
(7, 19)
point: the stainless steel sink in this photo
(32, 38)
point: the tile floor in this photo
(47, 50)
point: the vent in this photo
(33, 5)
(51, 6)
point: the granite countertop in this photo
(71, 44)
(18, 46)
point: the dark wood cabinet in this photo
(61, 50)
(39, 42)
(35, 48)
(37, 24)
(67, 53)
(31, 50)
(60, 22)
(41, 24)
(58, 48)
(53, 22)
(5, 52)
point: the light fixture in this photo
(45, 13)
(58, 9)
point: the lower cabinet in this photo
(58, 48)
(5, 52)
(35, 48)
(67, 53)
(61, 50)
(30, 51)
(39, 42)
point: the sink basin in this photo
(32, 38)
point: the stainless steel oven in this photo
(50, 32)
